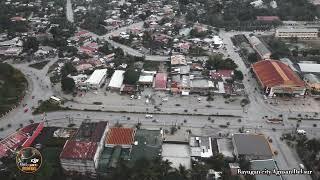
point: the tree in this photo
(238, 75)
(67, 84)
(30, 44)
(216, 62)
(118, 53)
(105, 49)
(253, 57)
(131, 76)
(67, 69)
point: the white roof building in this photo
(309, 68)
(116, 79)
(146, 79)
(97, 77)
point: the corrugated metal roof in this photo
(275, 73)
(79, 150)
(310, 68)
(120, 136)
(161, 81)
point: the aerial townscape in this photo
(159, 90)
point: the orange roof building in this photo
(276, 77)
(118, 136)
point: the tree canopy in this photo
(131, 76)
(216, 62)
(67, 84)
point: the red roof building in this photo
(120, 136)
(160, 82)
(222, 74)
(19, 139)
(79, 150)
(79, 156)
(81, 153)
(278, 78)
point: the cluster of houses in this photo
(173, 32)
(185, 77)
(95, 148)
(36, 25)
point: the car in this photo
(301, 132)
(148, 116)
(131, 97)
(301, 166)
(164, 99)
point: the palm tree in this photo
(183, 172)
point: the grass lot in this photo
(39, 65)
(12, 87)
(48, 106)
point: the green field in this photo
(12, 87)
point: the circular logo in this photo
(29, 160)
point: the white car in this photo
(301, 166)
(301, 132)
(149, 116)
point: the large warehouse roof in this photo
(97, 76)
(275, 73)
(116, 79)
(310, 68)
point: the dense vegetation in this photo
(241, 15)
(12, 87)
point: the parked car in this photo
(149, 116)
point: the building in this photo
(251, 146)
(222, 75)
(81, 153)
(79, 157)
(313, 82)
(259, 47)
(116, 80)
(118, 136)
(160, 82)
(146, 78)
(96, 80)
(268, 164)
(177, 153)
(303, 33)
(200, 146)
(309, 67)
(225, 148)
(202, 86)
(21, 138)
(276, 78)
(178, 60)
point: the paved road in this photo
(69, 11)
